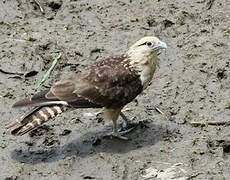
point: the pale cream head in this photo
(143, 57)
(147, 46)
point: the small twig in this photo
(190, 35)
(20, 74)
(17, 40)
(158, 110)
(12, 73)
(214, 123)
(162, 113)
(194, 175)
(47, 74)
(209, 4)
(40, 6)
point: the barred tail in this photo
(34, 119)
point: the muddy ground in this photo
(191, 84)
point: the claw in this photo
(126, 126)
(125, 130)
(116, 135)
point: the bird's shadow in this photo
(87, 144)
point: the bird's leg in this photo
(116, 133)
(113, 114)
(126, 125)
(125, 120)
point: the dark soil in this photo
(191, 84)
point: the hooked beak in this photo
(160, 45)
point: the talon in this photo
(116, 135)
(125, 131)
(127, 128)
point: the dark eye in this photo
(149, 44)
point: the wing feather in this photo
(107, 83)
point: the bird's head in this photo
(148, 46)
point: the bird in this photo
(110, 84)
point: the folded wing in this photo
(108, 83)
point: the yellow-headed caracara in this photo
(110, 84)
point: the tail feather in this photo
(31, 102)
(23, 102)
(34, 119)
(22, 120)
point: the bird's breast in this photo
(146, 72)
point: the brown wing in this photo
(108, 83)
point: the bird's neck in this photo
(145, 68)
